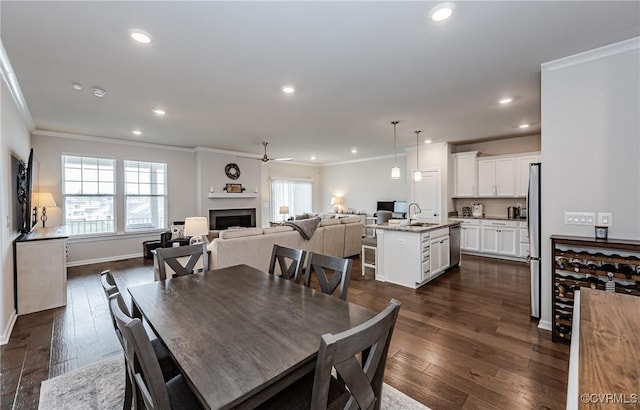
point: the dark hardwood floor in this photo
(464, 340)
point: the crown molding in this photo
(354, 161)
(595, 54)
(9, 77)
(56, 134)
(225, 151)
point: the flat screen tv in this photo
(400, 207)
(29, 173)
(385, 206)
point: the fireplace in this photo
(220, 219)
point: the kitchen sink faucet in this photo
(409, 210)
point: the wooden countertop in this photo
(609, 348)
(42, 234)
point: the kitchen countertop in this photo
(499, 218)
(416, 229)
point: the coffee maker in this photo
(513, 212)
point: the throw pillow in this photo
(177, 231)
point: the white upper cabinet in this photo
(522, 183)
(496, 177)
(505, 176)
(464, 174)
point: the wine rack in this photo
(580, 262)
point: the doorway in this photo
(427, 193)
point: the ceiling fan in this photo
(265, 158)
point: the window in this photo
(88, 189)
(145, 195)
(294, 193)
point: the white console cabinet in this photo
(41, 270)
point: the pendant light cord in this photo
(417, 149)
(395, 147)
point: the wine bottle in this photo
(592, 265)
(563, 263)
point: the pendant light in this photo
(395, 171)
(417, 174)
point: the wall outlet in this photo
(605, 218)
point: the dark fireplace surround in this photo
(220, 219)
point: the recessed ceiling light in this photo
(99, 92)
(140, 36)
(354, 151)
(427, 141)
(523, 126)
(76, 86)
(442, 11)
(287, 89)
(136, 132)
(505, 100)
(159, 111)
(313, 158)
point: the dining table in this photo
(240, 335)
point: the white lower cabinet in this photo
(524, 240)
(470, 236)
(440, 258)
(500, 237)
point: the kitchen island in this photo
(412, 255)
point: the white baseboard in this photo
(101, 260)
(6, 334)
(545, 325)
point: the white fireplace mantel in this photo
(226, 195)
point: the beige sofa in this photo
(253, 246)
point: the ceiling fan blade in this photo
(247, 157)
(282, 159)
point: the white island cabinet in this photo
(411, 256)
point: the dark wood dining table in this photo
(240, 335)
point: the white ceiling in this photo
(217, 69)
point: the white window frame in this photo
(111, 195)
(164, 196)
(278, 200)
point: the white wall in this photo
(362, 184)
(275, 169)
(590, 146)
(14, 138)
(432, 156)
(180, 183)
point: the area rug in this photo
(100, 386)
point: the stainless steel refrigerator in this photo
(533, 222)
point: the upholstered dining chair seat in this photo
(180, 396)
(298, 396)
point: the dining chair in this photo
(358, 355)
(318, 265)
(290, 261)
(175, 258)
(167, 365)
(108, 283)
(152, 391)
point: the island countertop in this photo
(417, 229)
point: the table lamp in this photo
(44, 200)
(284, 210)
(337, 201)
(197, 227)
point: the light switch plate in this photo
(579, 218)
(605, 218)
